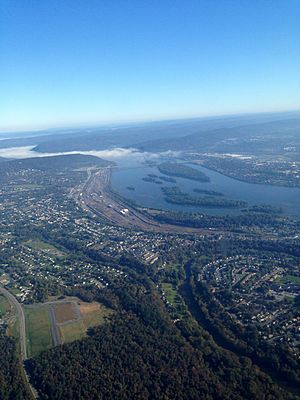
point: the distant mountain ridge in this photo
(247, 139)
(55, 162)
(160, 135)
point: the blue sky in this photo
(90, 61)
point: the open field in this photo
(60, 321)
(290, 279)
(45, 247)
(72, 331)
(38, 330)
(170, 292)
(94, 314)
(65, 312)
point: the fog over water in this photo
(109, 154)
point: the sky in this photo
(76, 62)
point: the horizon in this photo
(130, 123)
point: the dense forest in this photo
(174, 195)
(182, 171)
(142, 354)
(11, 382)
(54, 163)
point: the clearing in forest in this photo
(72, 319)
(94, 313)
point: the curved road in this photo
(21, 317)
(23, 353)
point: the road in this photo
(54, 328)
(23, 352)
(21, 317)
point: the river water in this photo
(150, 194)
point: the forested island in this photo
(174, 195)
(182, 171)
(167, 179)
(151, 180)
(208, 192)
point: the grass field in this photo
(38, 328)
(289, 279)
(170, 292)
(94, 314)
(38, 331)
(65, 312)
(174, 298)
(43, 246)
(72, 331)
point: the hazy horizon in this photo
(129, 123)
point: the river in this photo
(149, 194)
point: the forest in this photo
(11, 381)
(182, 171)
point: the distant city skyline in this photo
(73, 63)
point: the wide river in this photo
(150, 194)
(131, 169)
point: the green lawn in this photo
(38, 330)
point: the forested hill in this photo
(70, 161)
(253, 139)
(130, 135)
(142, 355)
